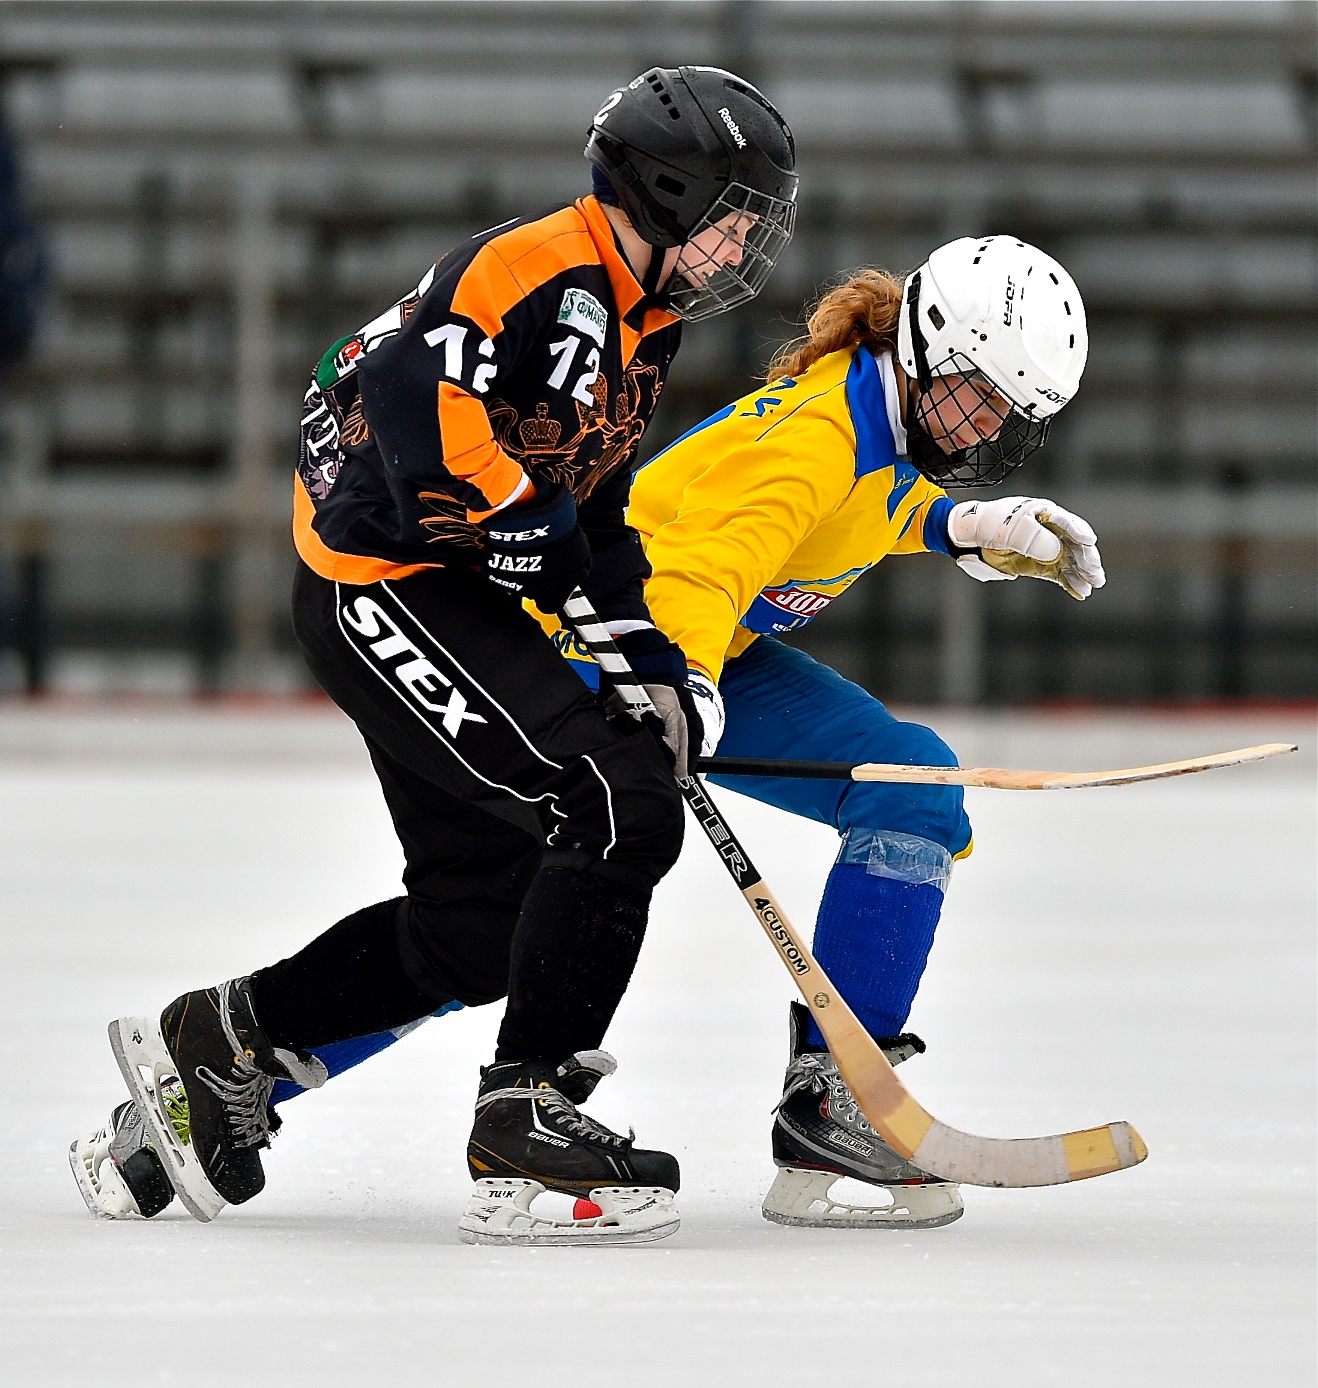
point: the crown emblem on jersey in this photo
(541, 434)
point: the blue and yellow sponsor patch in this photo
(789, 606)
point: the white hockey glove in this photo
(1028, 535)
(709, 706)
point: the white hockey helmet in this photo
(994, 310)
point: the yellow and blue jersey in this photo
(756, 520)
(759, 517)
(753, 522)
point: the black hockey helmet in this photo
(691, 148)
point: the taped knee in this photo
(909, 858)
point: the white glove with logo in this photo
(709, 706)
(1028, 535)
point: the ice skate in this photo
(529, 1138)
(211, 1042)
(118, 1170)
(820, 1136)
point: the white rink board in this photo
(1143, 953)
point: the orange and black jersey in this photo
(529, 352)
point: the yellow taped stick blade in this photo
(913, 1132)
(1003, 778)
(1016, 1163)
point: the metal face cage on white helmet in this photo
(993, 332)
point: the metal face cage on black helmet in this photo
(700, 159)
(961, 400)
(730, 253)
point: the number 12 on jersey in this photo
(566, 350)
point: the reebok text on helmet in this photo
(700, 159)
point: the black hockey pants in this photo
(506, 786)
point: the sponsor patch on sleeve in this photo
(784, 609)
(339, 361)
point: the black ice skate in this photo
(529, 1138)
(213, 1043)
(118, 1170)
(820, 1134)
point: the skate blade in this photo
(138, 1046)
(499, 1212)
(800, 1198)
(99, 1182)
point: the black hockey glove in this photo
(661, 668)
(538, 550)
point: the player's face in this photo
(959, 413)
(710, 250)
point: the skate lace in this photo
(174, 1103)
(579, 1124)
(246, 1100)
(817, 1073)
(246, 1096)
(565, 1113)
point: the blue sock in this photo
(343, 1055)
(876, 924)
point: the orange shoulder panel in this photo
(511, 266)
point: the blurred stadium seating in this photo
(229, 187)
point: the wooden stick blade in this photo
(907, 1127)
(1001, 778)
(910, 1129)
(1029, 1161)
(883, 1099)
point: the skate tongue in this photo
(309, 1071)
(580, 1073)
(899, 1048)
(601, 1062)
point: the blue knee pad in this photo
(876, 924)
(344, 1055)
(781, 703)
(935, 813)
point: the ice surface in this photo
(1143, 953)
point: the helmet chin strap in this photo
(653, 273)
(910, 402)
(921, 448)
(923, 376)
(654, 266)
